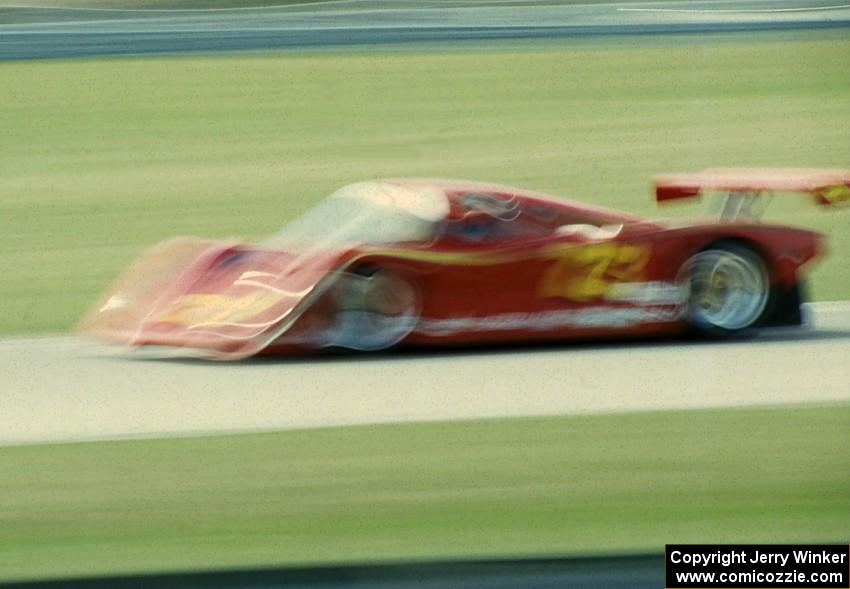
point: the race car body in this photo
(437, 262)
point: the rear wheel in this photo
(729, 289)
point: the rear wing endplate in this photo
(744, 186)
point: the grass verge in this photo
(570, 485)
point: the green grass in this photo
(101, 158)
(573, 485)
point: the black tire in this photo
(786, 306)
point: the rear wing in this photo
(745, 186)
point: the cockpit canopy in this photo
(425, 211)
(369, 212)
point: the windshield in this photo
(367, 212)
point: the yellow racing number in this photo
(585, 273)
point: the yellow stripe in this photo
(470, 258)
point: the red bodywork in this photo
(502, 265)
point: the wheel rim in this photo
(728, 290)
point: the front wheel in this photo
(375, 310)
(729, 289)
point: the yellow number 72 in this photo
(585, 273)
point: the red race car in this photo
(435, 262)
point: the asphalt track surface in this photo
(63, 389)
(32, 32)
(617, 572)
